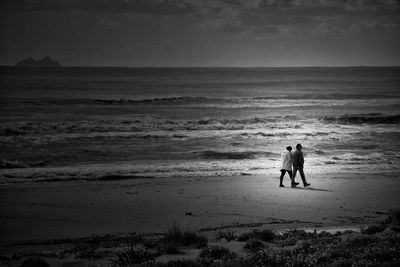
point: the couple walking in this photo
(289, 158)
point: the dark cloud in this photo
(198, 32)
(230, 16)
(265, 30)
(106, 6)
(195, 6)
(327, 29)
(365, 26)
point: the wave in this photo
(161, 101)
(211, 154)
(221, 102)
(134, 125)
(120, 101)
(252, 120)
(11, 164)
(262, 134)
(372, 118)
(326, 96)
(256, 102)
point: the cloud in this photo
(105, 6)
(364, 26)
(373, 6)
(288, 18)
(244, 17)
(219, 17)
(327, 29)
(197, 6)
(255, 17)
(109, 22)
(264, 29)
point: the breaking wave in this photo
(160, 101)
(253, 120)
(372, 118)
(133, 125)
(210, 154)
(327, 96)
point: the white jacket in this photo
(286, 160)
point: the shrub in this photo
(265, 235)
(213, 254)
(301, 234)
(379, 255)
(175, 263)
(306, 246)
(85, 250)
(151, 243)
(393, 221)
(191, 238)
(263, 257)
(339, 253)
(132, 255)
(169, 248)
(135, 238)
(290, 241)
(174, 231)
(228, 235)
(370, 230)
(253, 245)
(183, 237)
(359, 241)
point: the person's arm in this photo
(295, 158)
(290, 156)
(301, 158)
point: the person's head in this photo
(299, 147)
(289, 148)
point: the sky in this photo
(196, 33)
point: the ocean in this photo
(77, 123)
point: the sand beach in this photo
(80, 209)
(35, 215)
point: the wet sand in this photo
(52, 210)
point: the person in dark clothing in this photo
(298, 164)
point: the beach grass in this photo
(179, 235)
(375, 245)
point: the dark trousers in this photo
(300, 169)
(283, 172)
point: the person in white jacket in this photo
(286, 165)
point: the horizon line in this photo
(204, 67)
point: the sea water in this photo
(88, 123)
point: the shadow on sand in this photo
(310, 188)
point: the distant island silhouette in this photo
(44, 62)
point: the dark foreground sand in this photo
(147, 205)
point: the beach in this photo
(81, 209)
(85, 222)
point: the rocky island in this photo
(44, 62)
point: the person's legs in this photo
(303, 177)
(294, 176)
(281, 178)
(290, 175)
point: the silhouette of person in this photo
(286, 164)
(298, 164)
